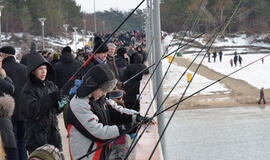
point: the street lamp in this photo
(75, 34)
(66, 28)
(42, 20)
(95, 18)
(83, 31)
(1, 7)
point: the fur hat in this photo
(99, 76)
(7, 105)
(98, 47)
(66, 49)
(46, 152)
(8, 50)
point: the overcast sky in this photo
(101, 5)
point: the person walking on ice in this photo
(261, 96)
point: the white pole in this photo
(75, 38)
(95, 18)
(42, 21)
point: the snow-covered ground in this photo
(256, 74)
(198, 82)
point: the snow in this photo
(197, 83)
(255, 74)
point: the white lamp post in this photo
(1, 7)
(95, 18)
(66, 28)
(42, 20)
(75, 34)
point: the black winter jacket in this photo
(17, 73)
(40, 107)
(132, 88)
(65, 68)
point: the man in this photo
(261, 96)
(65, 68)
(92, 119)
(111, 59)
(17, 73)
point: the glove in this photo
(62, 102)
(142, 119)
(124, 127)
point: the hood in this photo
(136, 58)
(38, 60)
(7, 105)
(66, 57)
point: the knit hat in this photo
(8, 50)
(99, 76)
(46, 152)
(97, 43)
(66, 49)
(115, 94)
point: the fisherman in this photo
(92, 119)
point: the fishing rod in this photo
(190, 24)
(159, 107)
(74, 76)
(211, 85)
(166, 126)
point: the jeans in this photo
(19, 132)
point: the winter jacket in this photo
(17, 73)
(112, 65)
(40, 107)
(65, 68)
(132, 88)
(94, 123)
(121, 64)
(7, 105)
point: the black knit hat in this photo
(66, 49)
(8, 50)
(97, 43)
(99, 76)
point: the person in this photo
(240, 60)
(220, 55)
(100, 55)
(17, 73)
(235, 59)
(121, 61)
(92, 119)
(215, 56)
(7, 105)
(55, 59)
(209, 58)
(262, 60)
(231, 62)
(261, 96)
(111, 59)
(65, 68)
(132, 88)
(139, 49)
(27, 56)
(46, 152)
(40, 101)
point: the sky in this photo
(101, 5)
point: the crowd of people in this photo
(100, 105)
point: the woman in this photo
(93, 119)
(40, 98)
